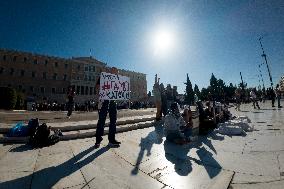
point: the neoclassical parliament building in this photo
(47, 78)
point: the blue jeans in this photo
(107, 107)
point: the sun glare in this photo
(163, 42)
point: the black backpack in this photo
(32, 126)
(40, 136)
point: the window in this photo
(78, 78)
(87, 90)
(63, 90)
(90, 78)
(94, 68)
(66, 66)
(14, 58)
(56, 64)
(35, 61)
(45, 62)
(86, 78)
(12, 71)
(91, 90)
(54, 76)
(31, 88)
(78, 90)
(86, 68)
(78, 67)
(42, 89)
(44, 75)
(90, 68)
(4, 57)
(1, 70)
(25, 59)
(22, 72)
(53, 90)
(64, 77)
(33, 74)
(82, 90)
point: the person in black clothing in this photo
(108, 106)
(70, 104)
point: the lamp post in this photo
(264, 56)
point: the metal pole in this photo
(261, 76)
(264, 55)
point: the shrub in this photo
(8, 98)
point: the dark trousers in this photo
(70, 106)
(107, 107)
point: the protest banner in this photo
(114, 87)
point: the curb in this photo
(4, 130)
(79, 135)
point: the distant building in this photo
(46, 78)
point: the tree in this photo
(8, 98)
(189, 94)
(196, 91)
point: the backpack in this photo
(40, 137)
(32, 126)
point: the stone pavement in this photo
(146, 160)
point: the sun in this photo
(163, 41)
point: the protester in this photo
(272, 96)
(173, 124)
(157, 96)
(108, 106)
(238, 98)
(70, 104)
(164, 108)
(278, 95)
(254, 98)
(206, 118)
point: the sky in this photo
(213, 36)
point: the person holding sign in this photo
(108, 106)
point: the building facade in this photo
(47, 78)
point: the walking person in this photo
(272, 96)
(278, 95)
(254, 98)
(108, 106)
(70, 103)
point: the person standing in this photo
(107, 106)
(253, 98)
(164, 108)
(238, 98)
(70, 104)
(278, 95)
(157, 97)
(272, 95)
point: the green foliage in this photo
(189, 93)
(8, 98)
(197, 91)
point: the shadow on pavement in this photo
(22, 148)
(154, 137)
(52, 175)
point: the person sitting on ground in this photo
(173, 124)
(187, 117)
(206, 118)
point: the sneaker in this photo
(114, 143)
(97, 145)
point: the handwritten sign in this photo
(114, 87)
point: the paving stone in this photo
(255, 163)
(240, 178)
(197, 176)
(270, 185)
(15, 161)
(267, 143)
(60, 147)
(107, 170)
(57, 171)
(4, 148)
(12, 180)
(281, 164)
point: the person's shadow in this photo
(146, 144)
(54, 174)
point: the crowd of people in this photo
(255, 96)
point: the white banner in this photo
(114, 87)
